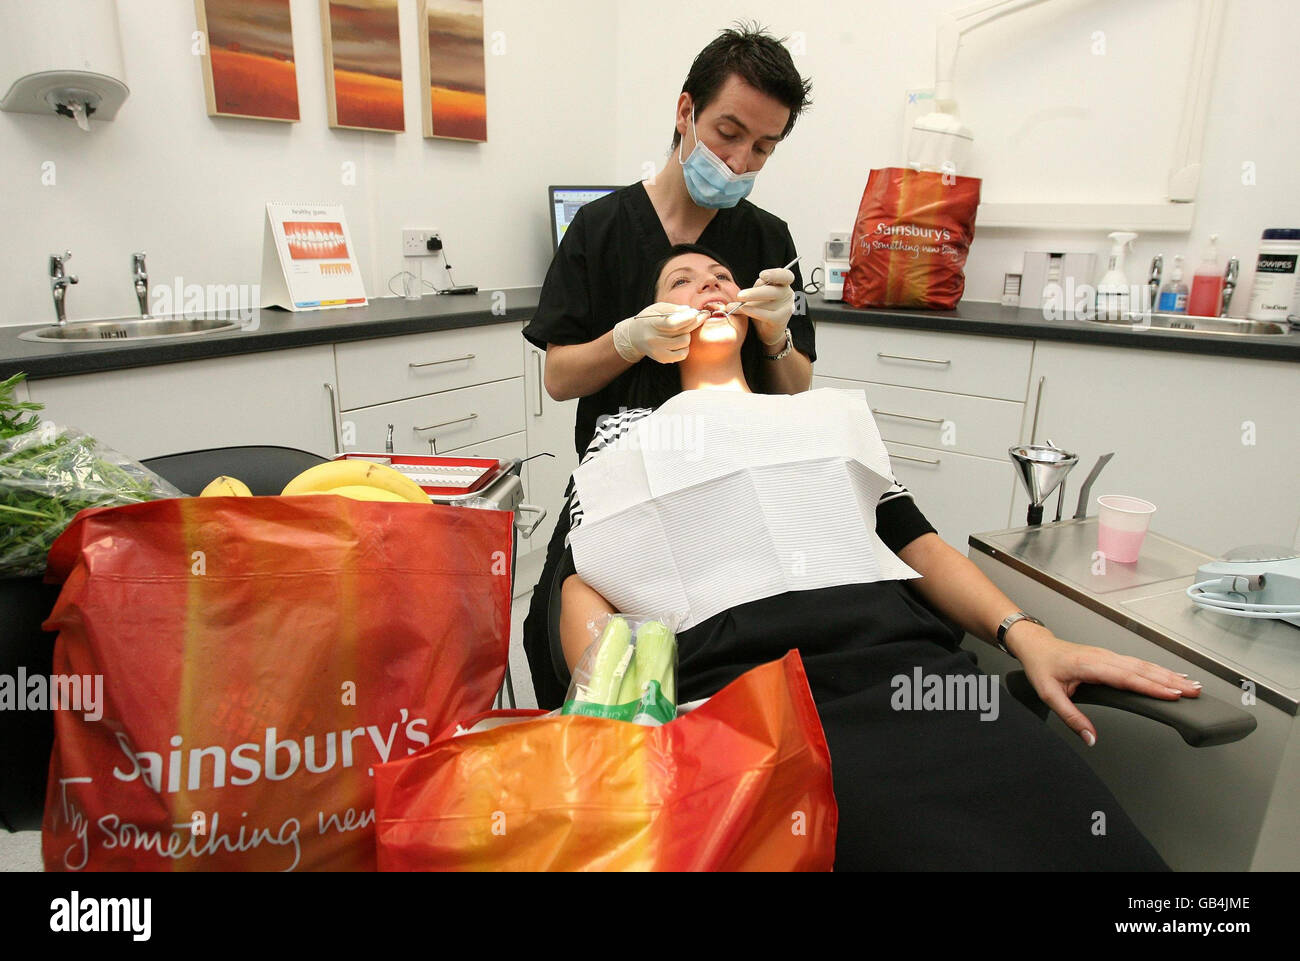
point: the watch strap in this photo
(785, 351)
(1006, 625)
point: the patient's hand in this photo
(580, 607)
(1056, 668)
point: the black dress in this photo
(920, 790)
(970, 785)
(599, 277)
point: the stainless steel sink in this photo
(145, 328)
(1186, 324)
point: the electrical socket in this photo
(415, 243)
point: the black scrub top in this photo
(603, 270)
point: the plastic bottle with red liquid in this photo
(1207, 285)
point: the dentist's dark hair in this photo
(759, 59)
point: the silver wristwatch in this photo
(785, 351)
(1006, 624)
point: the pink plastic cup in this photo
(1122, 523)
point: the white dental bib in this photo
(719, 498)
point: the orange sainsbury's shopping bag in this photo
(910, 240)
(260, 656)
(740, 783)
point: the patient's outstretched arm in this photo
(580, 607)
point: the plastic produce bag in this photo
(740, 783)
(260, 657)
(47, 474)
(910, 240)
(629, 672)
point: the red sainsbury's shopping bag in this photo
(740, 783)
(910, 241)
(259, 657)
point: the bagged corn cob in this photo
(629, 672)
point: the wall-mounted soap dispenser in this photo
(63, 57)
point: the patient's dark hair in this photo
(652, 382)
(656, 274)
(759, 59)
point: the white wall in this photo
(190, 190)
(863, 57)
(585, 92)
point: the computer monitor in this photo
(567, 201)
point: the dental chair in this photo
(1202, 721)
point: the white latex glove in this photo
(661, 332)
(770, 304)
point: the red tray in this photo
(490, 466)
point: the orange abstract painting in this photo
(363, 64)
(453, 69)
(248, 66)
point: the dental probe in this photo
(738, 305)
(733, 309)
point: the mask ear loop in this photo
(682, 143)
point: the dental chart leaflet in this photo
(308, 261)
(717, 499)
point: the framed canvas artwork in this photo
(248, 66)
(363, 64)
(452, 69)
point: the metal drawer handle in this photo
(538, 358)
(919, 460)
(334, 417)
(924, 360)
(449, 360)
(927, 420)
(458, 420)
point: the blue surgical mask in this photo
(711, 182)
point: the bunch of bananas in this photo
(361, 480)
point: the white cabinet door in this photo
(391, 368)
(935, 418)
(550, 430)
(1211, 441)
(959, 494)
(276, 398)
(449, 420)
(930, 360)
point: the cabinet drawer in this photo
(392, 368)
(932, 418)
(450, 420)
(958, 363)
(959, 494)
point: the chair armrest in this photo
(1201, 721)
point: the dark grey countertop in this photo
(391, 316)
(972, 317)
(273, 329)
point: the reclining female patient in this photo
(917, 789)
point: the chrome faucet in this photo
(1153, 281)
(59, 284)
(1229, 285)
(141, 282)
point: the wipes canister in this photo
(1275, 294)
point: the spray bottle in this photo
(1113, 293)
(1207, 285)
